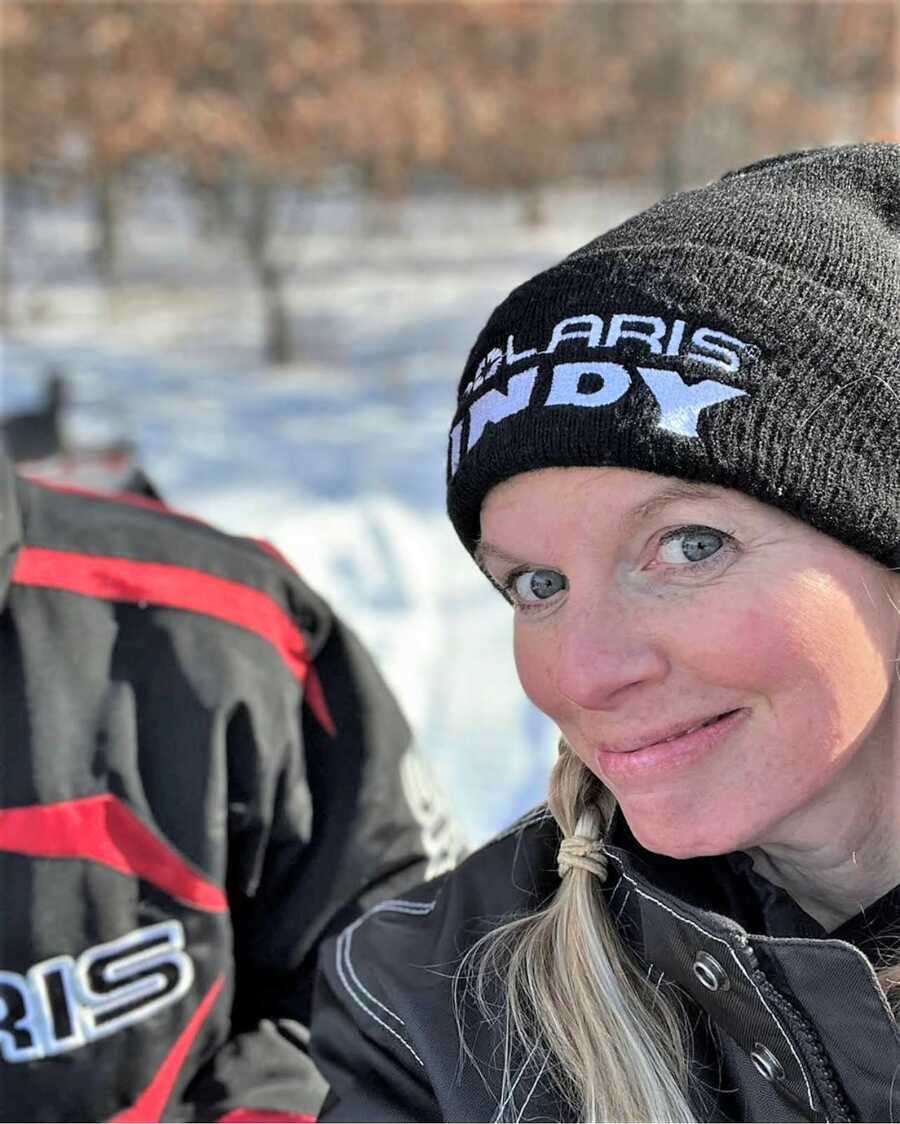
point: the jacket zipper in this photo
(838, 1107)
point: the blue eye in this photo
(691, 545)
(531, 586)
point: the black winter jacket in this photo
(789, 1023)
(201, 774)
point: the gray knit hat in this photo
(746, 334)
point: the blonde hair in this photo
(575, 1006)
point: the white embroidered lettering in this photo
(571, 383)
(588, 327)
(652, 337)
(455, 447)
(53, 982)
(486, 369)
(564, 390)
(126, 980)
(513, 356)
(494, 406)
(707, 344)
(442, 843)
(681, 404)
(63, 1003)
(19, 1027)
(674, 344)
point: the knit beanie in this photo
(745, 334)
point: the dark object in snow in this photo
(138, 483)
(42, 446)
(36, 434)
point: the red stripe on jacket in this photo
(102, 829)
(174, 587)
(151, 1103)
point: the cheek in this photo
(841, 653)
(534, 657)
(745, 646)
(812, 653)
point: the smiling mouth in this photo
(637, 761)
(651, 740)
(689, 730)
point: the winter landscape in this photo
(338, 458)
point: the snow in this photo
(339, 459)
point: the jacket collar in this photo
(10, 523)
(729, 885)
(800, 1006)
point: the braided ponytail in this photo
(574, 1004)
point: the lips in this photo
(676, 750)
(667, 734)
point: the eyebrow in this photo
(483, 549)
(678, 492)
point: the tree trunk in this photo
(279, 348)
(278, 344)
(533, 213)
(215, 207)
(9, 219)
(5, 284)
(107, 210)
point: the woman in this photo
(676, 454)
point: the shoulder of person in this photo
(390, 996)
(420, 939)
(141, 532)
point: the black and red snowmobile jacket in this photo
(201, 775)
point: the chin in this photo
(677, 843)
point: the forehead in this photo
(622, 495)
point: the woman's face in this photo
(646, 606)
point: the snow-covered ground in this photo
(339, 459)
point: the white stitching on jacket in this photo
(342, 952)
(362, 1005)
(395, 906)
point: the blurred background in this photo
(247, 247)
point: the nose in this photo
(603, 651)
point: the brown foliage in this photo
(509, 93)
